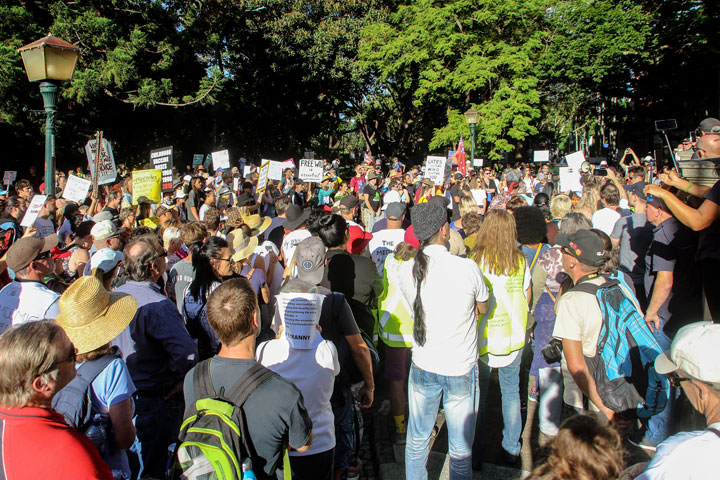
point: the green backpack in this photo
(213, 440)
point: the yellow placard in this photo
(147, 183)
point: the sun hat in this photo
(257, 223)
(694, 351)
(428, 219)
(25, 250)
(105, 229)
(241, 245)
(296, 216)
(105, 259)
(91, 316)
(584, 245)
(372, 175)
(310, 260)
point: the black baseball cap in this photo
(584, 245)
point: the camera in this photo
(553, 352)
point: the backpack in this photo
(74, 401)
(349, 372)
(623, 366)
(214, 440)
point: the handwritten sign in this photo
(147, 183)
(263, 178)
(162, 159)
(76, 189)
(276, 169)
(541, 156)
(570, 180)
(36, 204)
(311, 170)
(478, 162)
(221, 159)
(9, 177)
(248, 170)
(107, 172)
(435, 169)
(300, 314)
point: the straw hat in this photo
(257, 223)
(241, 245)
(91, 316)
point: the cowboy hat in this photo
(257, 223)
(241, 245)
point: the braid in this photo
(419, 272)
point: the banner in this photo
(570, 180)
(221, 159)
(9, 177)
(541, 156)
(276, 169)
(147, 183)
(33, 210)
(300, 314)
(107, 172)
(311, 170)
(435, 169)
(162, 159)
(263, 178)
(76, 189)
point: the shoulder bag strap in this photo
(537, 253)
(252, 379)
(90, 370)
(715, 431)
(202, 381)
(550, 293)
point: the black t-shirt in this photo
(194, 199)
(274, 412)
(373, 196)
(455, 192)
(335, 326)
(709, 246)
(299, 198)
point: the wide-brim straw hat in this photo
(241, 245)
(257, 223)
(91, 316)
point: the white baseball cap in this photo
(694, 351)
(105, 259)
(105, 229)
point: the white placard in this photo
(107, 172)
(236, 184)
(300, 314)
(220, 159)
(478, 162)
(9, 177)
(263, 177)
(575, 160)
(276, 169)
(31, 214)
(541, 156)
(247, 171)
(76, 189)
(479, 195)
(435, 169)
(311, 170)
(570, 180)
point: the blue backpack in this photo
(623, 365)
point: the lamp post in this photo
(49, 61)
(471, 117)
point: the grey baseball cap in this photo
(310, 260)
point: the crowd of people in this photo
(126, 324)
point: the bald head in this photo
(708, 146)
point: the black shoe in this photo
(509, 459)
(477, 463)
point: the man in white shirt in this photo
(605, 218)
(27, 299)
(447, 293)
(693, 364)
(384, 241)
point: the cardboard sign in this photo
(435, 169)
(276, 169)
(541, 156)
(107, 172)
(221, 159)
(197, 160)
(311, 170)
(575, 160)
(162, 159)
(147, 183)
(570, 180)
(76, 189)
(478, 162)
(263, 178)
(9, 177)
(33, 210)
(300, 314)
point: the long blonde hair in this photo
(496, 246)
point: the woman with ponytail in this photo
(444, 293)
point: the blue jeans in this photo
(659, 424)
(157, 422)
(460, 401)
(342, 403)
(510, 392)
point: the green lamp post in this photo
(471, 117)
(49, 61)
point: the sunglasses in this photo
(42, 256)
(72, 357)
(676, 381)
(229, 259)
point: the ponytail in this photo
(419, 272)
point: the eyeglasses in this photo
(676, 381)
(72, 357)
(42, 256)
(229, 259)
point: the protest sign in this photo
(197, 160)
(435, 169)
(146, 183)
(570, 180)
(276, 170)
(236, 184)
(541, 156)
(76, 189)
(575, 160)
(311, 170)
(107, 172)
(221, 159)
(248, 170)
(478, 162)
(263, 178)
(162, 159)
(31, 214)
(9, 177)
(300, 314)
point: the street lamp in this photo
(471, 117)
(49, 61)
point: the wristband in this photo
(690, 184)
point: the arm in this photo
(622, 163)
(481, 307)
(671, 178)
(572, 349)
(611, 175)
(697, 219)
(661, 292)
(539, 278)
(168, 328)
(123, 428)
(361, 356)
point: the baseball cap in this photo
(707, 124)
(694, 350)
(105, 229)
(395, 211)
(102, 216)
(187, 178)
(105, 259)
(459, 176)
(637, 189)
(349, 202)
(25, 250)
(584, 245)
(144, 201)
(180, 194)
(310, 260)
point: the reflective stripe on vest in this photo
(395, 323)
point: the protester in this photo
(384, 241)
(76, 255)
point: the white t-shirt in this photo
(203, 209)
(604, 219)
(313, 372)
(22, 302)
(383, 243)
(291, 240)
(449, 292)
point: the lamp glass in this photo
(472, 116)
(46, 62)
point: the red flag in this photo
(460, 157)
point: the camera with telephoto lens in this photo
(553, 352)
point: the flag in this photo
(460, 157)
(368, 159)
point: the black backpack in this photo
(74, 401)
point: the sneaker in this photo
(509, 458)
(640, 440)
(533, 394)
(400, 437)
